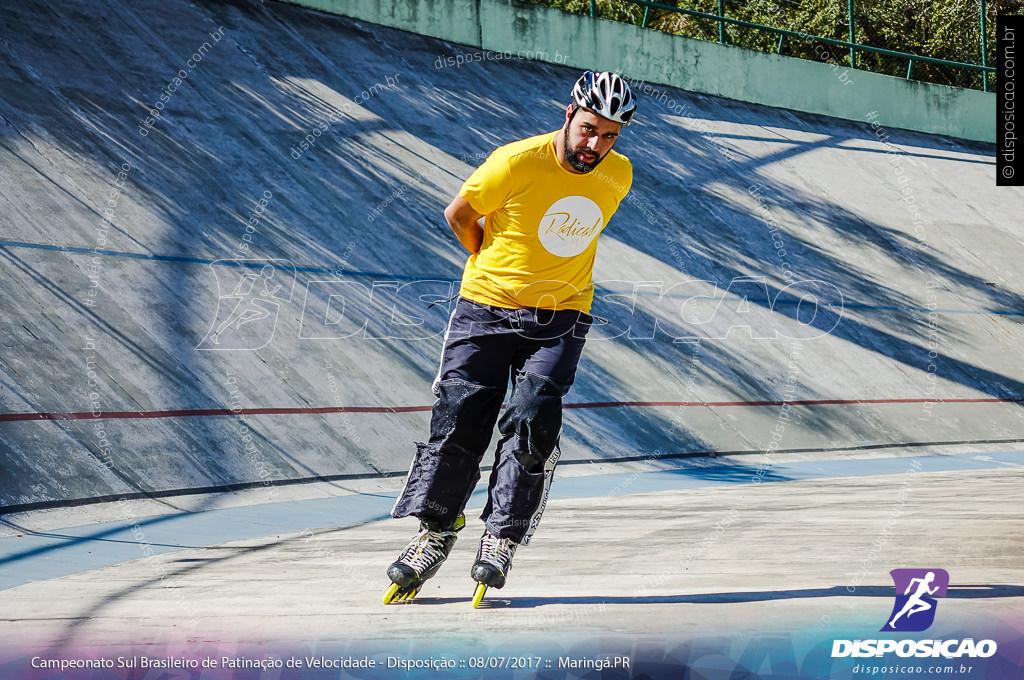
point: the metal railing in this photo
(853, 46)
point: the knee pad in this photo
(463, 416)
(533, 419)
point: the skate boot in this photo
(493, 560)
(421, 559)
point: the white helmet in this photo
(606, 94)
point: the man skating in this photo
(522, 314)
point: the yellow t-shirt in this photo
(541, 226)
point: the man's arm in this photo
(464, 222)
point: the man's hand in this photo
(464, 222)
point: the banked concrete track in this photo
(867, 276)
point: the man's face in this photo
(588, 139)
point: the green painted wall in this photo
(695, 65)
(454, 20)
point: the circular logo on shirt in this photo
(569, 225)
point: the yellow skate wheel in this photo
(479, 594)
(389, 594)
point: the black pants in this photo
(484, 348)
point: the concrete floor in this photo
(733, 560)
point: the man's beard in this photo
(573, 159)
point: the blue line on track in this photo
(256, 264)
(61, 552)
(386, 276)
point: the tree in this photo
(943, 29)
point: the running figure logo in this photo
(914, 610)
(247, 314)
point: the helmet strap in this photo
(575, 108)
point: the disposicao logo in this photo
(914, 611)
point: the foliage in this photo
(943, 29)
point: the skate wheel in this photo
(390, 593)
(479, 594)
